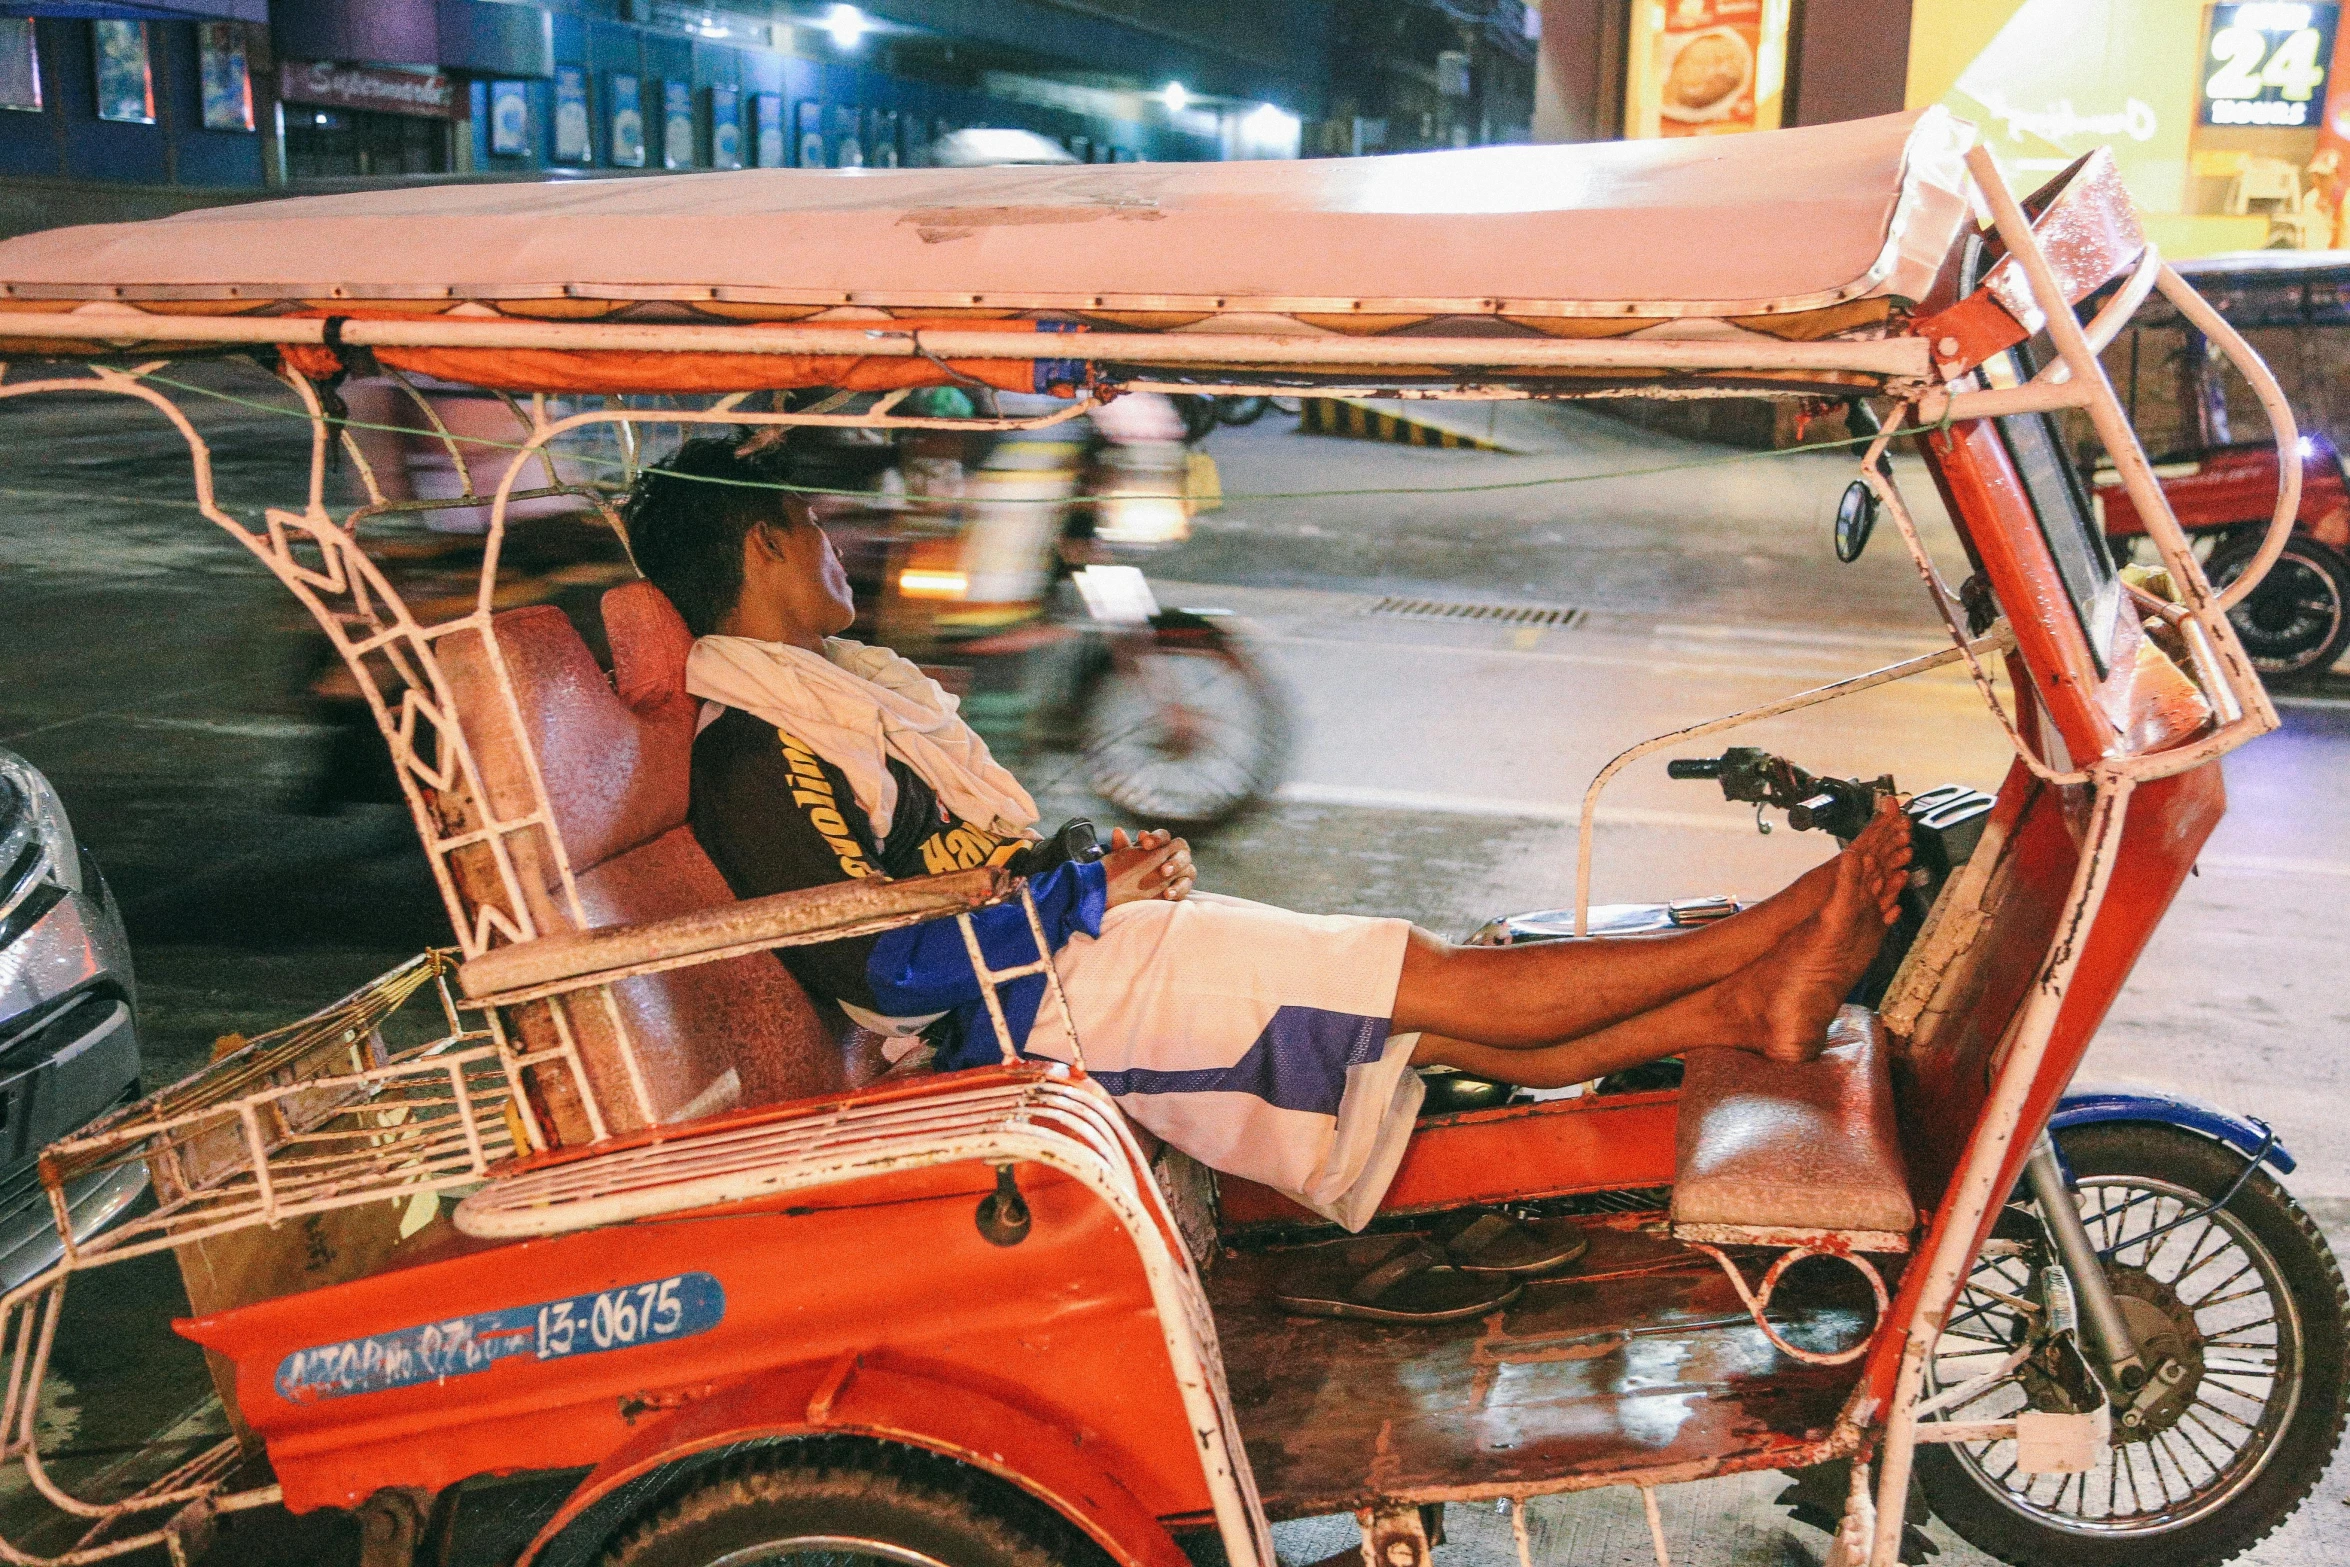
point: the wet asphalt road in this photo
(156, 673)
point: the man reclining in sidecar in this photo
(1269, 1044)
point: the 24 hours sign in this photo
(2267, 64)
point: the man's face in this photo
(792, 566)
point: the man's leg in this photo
(1722, 1015)
(1538, 996)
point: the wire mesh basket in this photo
(319, 1114)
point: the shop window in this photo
(20, 65)
(340, 143)
(126, 84)
(223, 74)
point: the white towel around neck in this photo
(858, 706)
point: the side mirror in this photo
(1856, 519)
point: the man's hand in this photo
(1151, 864)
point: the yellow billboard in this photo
(2048, 80)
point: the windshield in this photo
(2061, 503)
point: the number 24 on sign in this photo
(2247, 66)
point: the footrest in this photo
(1769, 1154)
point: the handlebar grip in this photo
(1694, 767)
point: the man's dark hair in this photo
(689, 513)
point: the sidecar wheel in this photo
(2250, 1294)
(844, 1503)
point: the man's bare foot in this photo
(1809, 973)
(1883, 849)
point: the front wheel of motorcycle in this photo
(2245, 1297)
(1182, 730)
(2296, 623)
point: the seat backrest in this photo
(615, 757)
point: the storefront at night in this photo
(2216, 113)
(2212, 112)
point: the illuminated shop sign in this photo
(2266, 64)
(1704, 67)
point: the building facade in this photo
(119, 110)
(2229, 120)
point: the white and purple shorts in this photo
(1254, 1039)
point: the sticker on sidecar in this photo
(652, 1313)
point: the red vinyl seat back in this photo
(615, 756)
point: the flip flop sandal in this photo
(1414, 1284)
(1496, 1243)
(1446, 1091)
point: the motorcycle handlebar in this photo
(1694, 767)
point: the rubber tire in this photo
(918, 1501)
(1198, 414)
(2305, 1448)
(1269, 768)
(1241, 410)
(2323, 560)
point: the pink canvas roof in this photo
(1730, 225)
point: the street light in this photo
(847, 25)
(1267, 132)
(1268, 124)
(1174, 97)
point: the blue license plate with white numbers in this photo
(657, 1311)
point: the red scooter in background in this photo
(2296, 623)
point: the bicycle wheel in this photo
(2246, 1298)
(1183, 733)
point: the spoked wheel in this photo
(1183, 733)
(2246, 1299)
(2296, 623)
(830, 1503)
(1198, 415)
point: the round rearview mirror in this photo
(1856, 519)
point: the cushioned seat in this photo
(615, 759)
(1772, 1154)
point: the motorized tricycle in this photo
(629, 1218)
(2296, 622)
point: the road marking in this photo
(238, 728)
(2311, 701)
(1737, 663)
(1494, 805)
(2271, 865)
(1906, 644)
(113, 712)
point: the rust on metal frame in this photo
(1640, 1365)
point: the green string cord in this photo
(1650, 471)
